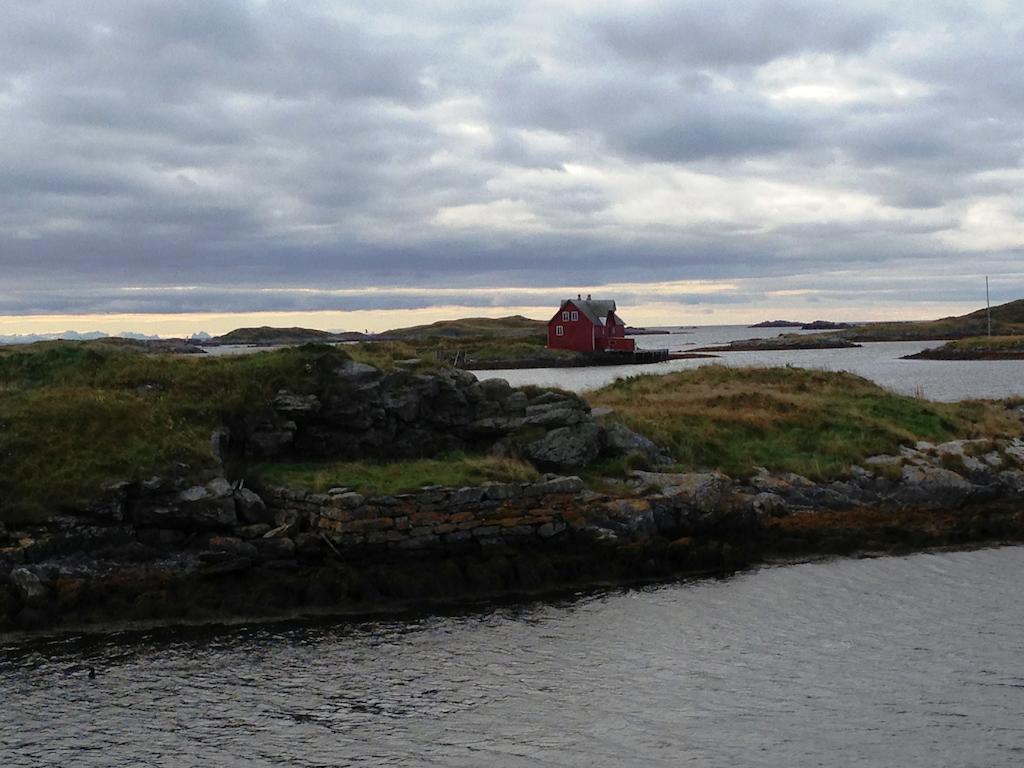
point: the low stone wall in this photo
(436, 518)
(213, 552)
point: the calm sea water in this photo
(911, 661)
(935, 379)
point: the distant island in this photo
(777, 324)
(266, 336)
(817, 325)
(783, 342)
(631, 331)
(1007, 320)
(978, 348)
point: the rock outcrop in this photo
(196, 554)
(359, 411)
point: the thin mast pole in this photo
(988, 305)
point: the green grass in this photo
(1007, 320)
(987, 344)
(473, 327)
(814, 423)
(76, 417)
(270, 335)
(436, 351)
(384, 354)
(387, 478)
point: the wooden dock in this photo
(650, 355)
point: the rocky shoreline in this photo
(941, 353)
(204, 545)
(583, 360)
(216, 553)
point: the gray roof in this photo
(596, 310)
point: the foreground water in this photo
(945, 380)
(911, 661)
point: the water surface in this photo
(911, 661)
(944, 380)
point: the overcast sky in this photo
(694, 160)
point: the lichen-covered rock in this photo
(502, 491)
(1013, 479)
(293, 405)
(622, 441)
(571, 484)
(770, 504)
(1015, 450)
(704, 491)
(495, 389)
(31, 589)
(198, 507)
(567, 448)
(250, 508)
(933, 488)
(553, 415)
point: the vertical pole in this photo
(988, 305)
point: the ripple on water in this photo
(912, 661)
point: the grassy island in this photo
(977, 348)
(1007, 320)
(814, 423)
(76, 417)
(144, 486)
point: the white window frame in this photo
(575, 316)
(559, 330)
(565, 317)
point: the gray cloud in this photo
(248, 145)
(742, 33)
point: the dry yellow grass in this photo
(815, 423)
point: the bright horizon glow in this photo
(650, 314)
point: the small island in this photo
(634, 331)
(1004, 319)
(266, 336)
(783, 342)
(777, 324)
(325, 480)
(817, 325)
(978, 348)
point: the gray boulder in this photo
(250, 507)
(1013, 479)
(495, 389)
(932, 487)
(570, 484)
(354, 372)
(31, 589)
(293, 405)
(551, 417)
(703, 491)
(567, 448)
(622, 441)
(770, 504)
(199, 507)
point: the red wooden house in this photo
(588, 325)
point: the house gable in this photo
(586, 325)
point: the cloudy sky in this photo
(166, 163)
